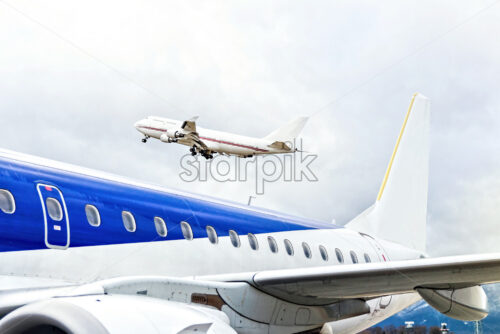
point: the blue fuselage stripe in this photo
(24, 230)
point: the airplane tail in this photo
(400, 211)
(289, 131)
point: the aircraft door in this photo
(55, 216)
(382, 256)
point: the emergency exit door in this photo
(55, 216)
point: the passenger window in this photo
(339, 255)
(288, 247)
(252, 240)
(187, 232)
(54, 209)
(272, 244)
(7, 203)
(92, 214)
(128, 221)
(324, 253)
(354, 257)
(307, 250)
(367, 258)
(235, 239)
(161, 227)
(212, 235)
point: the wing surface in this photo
(370, 280)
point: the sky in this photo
(74, 77)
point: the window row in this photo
(161, 228)
(54, 210)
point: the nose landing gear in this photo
(145, 139)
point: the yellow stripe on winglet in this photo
(388, 171)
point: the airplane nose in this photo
(137, 125)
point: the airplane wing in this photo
(329, 293)
(378, 279)
(190, 125)
(190, 134)
(321, 285)
(194, 139)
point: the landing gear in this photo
(193, 150)
(145, 139)
(204, 153)
(207, 154)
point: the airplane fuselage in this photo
(34, 245)
(216, 141)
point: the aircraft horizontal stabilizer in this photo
(280, 146)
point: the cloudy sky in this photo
(74, 77)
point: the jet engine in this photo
(174, 134)
(99, 314)
(467, 304)
(166, 139)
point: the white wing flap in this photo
(378, 279)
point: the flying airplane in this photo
(83, 251)
(207, 142)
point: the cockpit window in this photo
(7, 203)
(54, 209)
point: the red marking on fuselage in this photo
(234, 144)
(48, 188)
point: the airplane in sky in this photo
(83, 251)
(207, 142)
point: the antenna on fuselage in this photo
(250, 200)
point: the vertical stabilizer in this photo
(400, 211)
(289, 131)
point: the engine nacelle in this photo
(96, 314)
(166, 139)
(174, 134)
(467, 304)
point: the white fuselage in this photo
(170, 256)
(216, 141)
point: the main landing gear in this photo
(204, 153)
(145, 139)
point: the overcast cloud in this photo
(73, 80)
